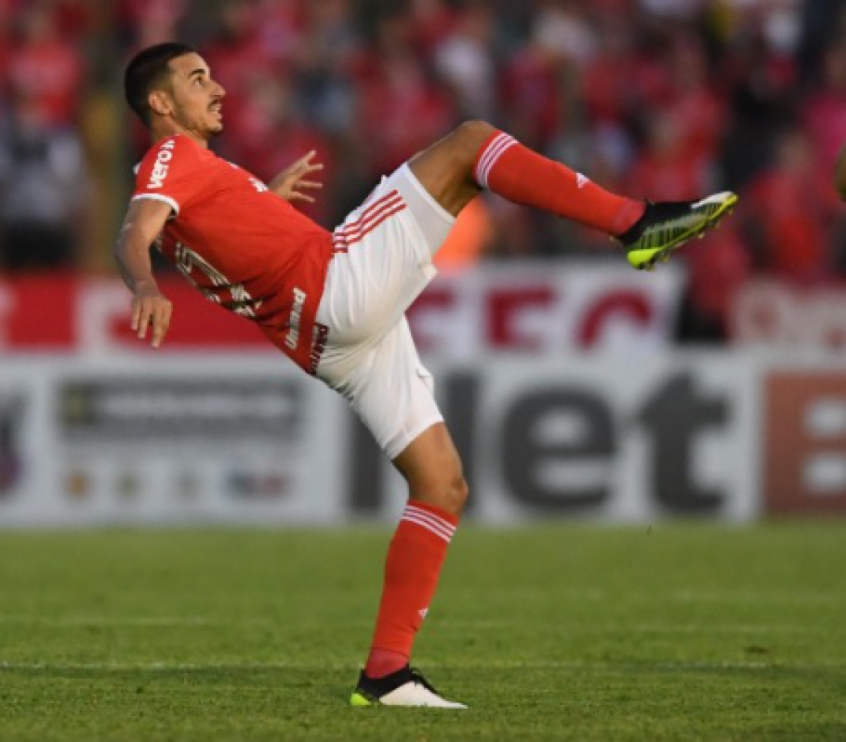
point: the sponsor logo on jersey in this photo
(161, 166)
(293, 337)
(258, 185)
(320, 334)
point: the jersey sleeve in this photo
(170, 172)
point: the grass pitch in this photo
(679, 632)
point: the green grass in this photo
(679, 632)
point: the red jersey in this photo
(241, 245)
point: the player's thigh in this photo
(386, 385)
(383, 259)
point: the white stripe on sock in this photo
(481, 168)
(491, 155)
(429, 527)
(432, 517)
(495, 159)
(432, 523)
(433, 520)
(494, 143)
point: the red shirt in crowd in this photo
(240, 244)
(50, 72)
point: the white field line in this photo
(560, 624)
(749, 596)
(154, 621)
(166, 666)
(627, 666)
(778, 597)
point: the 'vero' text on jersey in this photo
(160, 167)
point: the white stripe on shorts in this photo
(352, 232)
(372, 210)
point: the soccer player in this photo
(334, 302)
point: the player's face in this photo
(196, 97)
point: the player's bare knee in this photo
(453, 495)
(459, 492)
(474, 133)
(449, 493)
(468, 139)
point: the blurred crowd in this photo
(661, 99)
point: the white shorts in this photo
(383, 261)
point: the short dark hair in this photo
(147, 70)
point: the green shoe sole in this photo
(645, 257)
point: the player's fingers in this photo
(136, 316)
(304, 172)
(309, 184)
(159, 332)
(300, 197)
(143, 319)
(161, 322)
(305, 161)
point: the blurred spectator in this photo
(667, 169)
(47, 67)
(789, 211)
(43, 186)
(825, 110)
(530, 92)
(432, 22)
(237, 59)
(281, 26)
(717, 266)
(145, 22)
(608, 90)
(6, 41)
(762, 93)
(401, 109)
(822, 22)
(464, 58)
(693, 104)
(267, 133)
(330, 47)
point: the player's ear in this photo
(159, 102)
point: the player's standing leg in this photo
(454, 171)
(437, 493)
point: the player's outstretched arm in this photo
(840, 174)
(291, 183)
(144, 220)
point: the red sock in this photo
(412, 569)
(518, 174)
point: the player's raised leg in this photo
(437, 493)
(477, 156)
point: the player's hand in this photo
(151, 308)
(293, 181)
